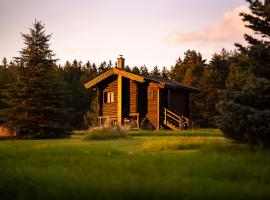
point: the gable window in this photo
(108, 97)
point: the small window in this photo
(108, 97)
(150, 94)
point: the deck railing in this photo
(108, 121)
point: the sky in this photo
(150, 32)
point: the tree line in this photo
(40, 95)
(193, 70)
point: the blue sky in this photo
(151, 32)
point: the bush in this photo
(106, 134)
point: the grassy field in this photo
(201, 166)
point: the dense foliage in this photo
(35, 104)
(245, 105)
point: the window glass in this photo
(108, 97)
(112, 97)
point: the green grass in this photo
(105, 134)
(189, 132)
(133, 168)
(179, 143)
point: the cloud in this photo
(229, 29)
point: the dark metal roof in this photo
(172, 84)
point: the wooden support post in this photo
(165, 114)
(158, 106)
(119, 100)
(169, 98)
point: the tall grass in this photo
(106, 134)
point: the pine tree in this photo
(135, 70)
(155, 72)
(127, 68)
(144, 71)
(37, 101)
(258, 50)
(245, 107)
(178, 71)
(194, 66)
(7, 76)
(4, 62)
(165, 73)
(212, 81)
(103, 67)
(89, 98)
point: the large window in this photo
(108, 97)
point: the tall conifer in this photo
(245, 107)
(37, 103)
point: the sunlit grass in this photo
(135, 168)
(105, 134)
(179, 143)
(189, 132)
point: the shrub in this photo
(106, 134)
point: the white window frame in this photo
(110, 97)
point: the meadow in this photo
(144, 165)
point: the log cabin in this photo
(141, 101)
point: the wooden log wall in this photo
(133, 98)
(109, 108)
(152, 113)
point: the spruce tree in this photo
(178, 71)
(144, 71)
(165, 73)
(127, 68)
(135, 70)
(37, 102)
(155, 72)
(245, 107)
(212, 81)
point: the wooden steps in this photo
(175, 121)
